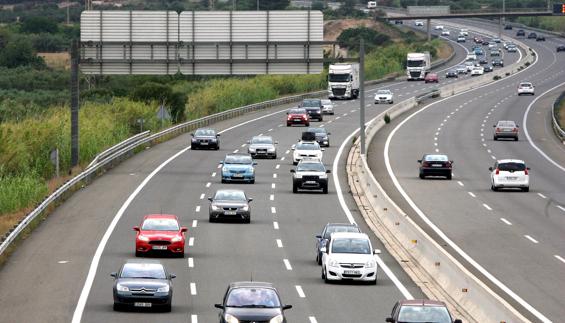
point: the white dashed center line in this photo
(236, 151)
(194, 223)
(214, 174)
(274, 175)
(300, 291)
(460, 183)
(273, 210)
(219, 165)
(531, 239)
(272, 197)
(505, 221)
(487, 207)
(560, 258)
(208, 184)
(243, 145)
(279, 243)
(287, 264)
(197, 209)
(561, 208)
(194, 318)
(275, 225)
(286, 152)
(312, 319)
(190, 262)
(278, 166)
(542, 196)
(191, 241)
(282, 158)
(192, 288)
(202, 196)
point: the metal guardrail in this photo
(557, 127)
(122, 144)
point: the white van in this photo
(371, 5)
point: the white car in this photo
(384, 96)
(492, 46)
(477, 70)
(418, 23)
(438, 27)
(445, 33)
(349, 256)
(471, 57)
(464, 32)
(509, 173)
(470, 66)
(306, 149)
(327, 107)
(526, 88)
(461, 39)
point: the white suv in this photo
(509, 173)
(349, 256)
(526, 88)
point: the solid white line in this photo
(542, 196)
(272, 197)
(300, 291)
(191, 241)
(312, 319)
(472, 194)
(560, 258)
(192, 288)
(530, 238)
(275, 225)
(197, 209)
(190, 262)
(194, 223)
(460, 183)
(202, 196)
(208, 184)
(273, 210)
(337, 118)
(505, 221)
(278, 166)
(279, 243)
(561, 208)
(487, 207)
(287, 264)
(273, 185)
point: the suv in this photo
(310, 174)
(313, 107)
(520, 32)
(509, 173)
(532, 35)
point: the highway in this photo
(45, 278)
(517, 237)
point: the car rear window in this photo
(527, 85)
(152, 271)
(436, 158)
(311, 103)
(160, 225)
(317, 130)
(512, 167)
(509, 124)
(253, 297)
(434, 314)
(297, 111)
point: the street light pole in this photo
(362, 94)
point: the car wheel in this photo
(295, 163)
(307, 124)
(180, 254)
(223, 181)
(167, 308)
(422, 176)
(117, 307)
(275, 156)
(138, 254)
(294, 188)
(247, 219)
(318, 259)
(495, 138)
(211, 219)
(391, 102)
(525, 189)
(288, 124)
(333, 113)
(217, 147)
(325, 189)
(494, 188)
(449, 176)
(252, 181)
(515, 138)
(373, 282)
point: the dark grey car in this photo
(322, 136)
(230, 204)
(143, 284)
(322, 239)
(205, 138)
(314, 108)
(262, 146)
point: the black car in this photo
(560, 48)
(532, 35)
(323, 239)
(143, 284)
(435, 165)
(508, 27)
(205, 138)
(310, 174)
(483, 61)
(398, 22)
(252, 302)
(322, 136)
(520, 32)
(314, 108)
(485, 43)
(487, 68)
(229, 204)
(497, 62)
(540, 38)
(451, 73)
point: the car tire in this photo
(318, 259)
(516, 139)
(180, 254)
(422, 176)
(117, 307)
(332, 113)
(224, 181)
(295, 163)
(247, 219)
(252, 181)
(211, 219)
(217, 147)
(495, 138)
(325, 277)
(307, 124)
(391, 102)
(294, 188)
(373, 282)
(325, 189)
(494, 188)
(288, 124)
(138, 254)
(525, 189)
(449, 176)
(167, 308)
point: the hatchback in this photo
(526, 88)
(297, 116)
(509, 173)
(160, 233)
(421, 310)
(505, 129)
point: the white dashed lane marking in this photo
(282, 158)
(214, 174)
(275, 225)
(560, 258)
(472, 194)
(286, 152)
(300, 291)
(274, 175)
(272, 197)
(505, 221)
(561, 208)
(202, 196)
(312, 319)
(273, 185)
(278, 166)
(197, 209)
(460, 183)
(190, 262)
(531, 239)
(208, 184)
(192, 288)
(487, 207)
(236, 151)
(194, 318)
(273, 210)
(243, 145)
(194, 223)
(287, 264)
(191, 242)
(279, 243)
(219, 165)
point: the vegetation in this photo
(561, 111)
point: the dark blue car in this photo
(238, 168)
(322, 239)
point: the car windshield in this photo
(238, 159)
(253, 297)
(317, 130)
(339, 77)
(154, 224)
(230, 196)
(153, 271)
(511, 167)
(311, 103)
(415, 314)
(351, 245)
(262, 140)
(310, 167)
(383, 92)
(340, 228)
(435, 158)
(205, 132)
(307, 146)
(297, 111)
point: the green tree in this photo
(351, 37)
(19, 52)
(36, 25)
(164, 94)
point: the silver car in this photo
(262, 146)
(230, 204)
(327, 107)
(505, 129)
(384, 96)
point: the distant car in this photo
(313, 107)
(262, 146)
(421, 310)
(492, 46)
(431, 77)
(310, 174)
(471, 57)
(477, 70)
(238, 168)
(418, 23)
(229, 204)
(461, 69)
(478, 51)
(509, 173)
(353, 249)
(532, 35)
(324, 237)
(511, 49)
(438, 27)
(495, 52)
(487, 68)
(327, 107)
(445, 33)
(505, 129)
(540, 38)
(398, 22)
(508, 44)
(322, 135)
(252, 302)
(435, 165)
(306, 149)
(520, 33)
(526, 88)
(483, 61)
(464, 32)
(160, 233)
(451, 73)
(497, 40)
(477, 39)
(461, 39)
(143, 284)
(485, 42)
(560, 48)
(384, 96)
(469, 66)
(498, 62)
(507, 27)
(205, 138)
(297, 116)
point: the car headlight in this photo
(215, 208)
(213, 140)
(164, 289)
(176, 239)
(143, 238)
(245, 208)
(230, 319)
(271, 149)
(297, 175)
(122, 288)
(333, 263)
(370, 263)
(277, 319)
(251, 150)
(225, 169)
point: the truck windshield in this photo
(340, 77)
(415, 63)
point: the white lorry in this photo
(343, 81)
(417, 65)
(371, 5)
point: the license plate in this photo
(506, 130)
(159, 247)
(204, 143)
(297, 120)
(139, 304)
(310, 182)
(511, 178)
(230, 212)
(351, 272)
(237, 175)
(437, 165)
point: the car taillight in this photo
(426, 164)
(448, 165)
(497, 171)
(289, 117)
(515, 130)
(497, 129)
(526, 171)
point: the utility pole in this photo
(257, 5)
(75, 59)
(362, 94)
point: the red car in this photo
(297, 116)
(160, 233)
(421, 310)
(431, 77)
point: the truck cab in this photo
(343, 81)
(417, 65)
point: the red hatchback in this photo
(297, 116)
(431, 77)
(160, 233)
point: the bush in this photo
(496, 78)
(20, 191)
(351, 37)
(387, 118)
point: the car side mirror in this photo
(183, 229)
(172, 276)
(192, 134)
(217, 135)
(328, 171)
(329, 133)
(389, 319)
(220, 306)
(254, 163)
(490, 168)
(451, 161)
(377, 251)
(324, 249)
(457, 321)
(293, 171)
(494, 126)
(528, 168)
(249, 200)
(221, 162)
(319, 236)
(115, 275)
(287, 112)
(136, 228)
(210, 199)
(248, 142)
(286, 307)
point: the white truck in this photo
(343, 81)
(417, 65)
(371, 5)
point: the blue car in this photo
(479, 52)
(238, 168)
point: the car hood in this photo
(138, 283)
(296, 115)
(351, 257)
(321, 135)
(253, 314)
(222, 203)
(309, 152)
(238, 166)
(261, 146)
(159, 235)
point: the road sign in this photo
(428, 10)
(559, 9)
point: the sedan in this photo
(532, 35)
(483, 61)
(521, 33)
(327, 107)
(560, 48)
(445, 33)
(488, 68)
(477, 70)
(451, 73)
(230, 204)
(505, 129)
(323, 238)
(322, 136)
(205, 138)
(509, 173)
(384, 96)
(306, 149)
(431, 77)
(262, 146)
(435, 165)
(512, 49)
(540, 38)
(297, 116)
(160, 233)
(143, 284)
(498, 62)
(507, 27)
(252, 302)
(238, 168)
(421, 310)
(461, 69)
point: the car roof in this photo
(251, 284)
(229, 190)
(525, 82)
(143, 261)
(518, 161)
(499, 121)
(346, 235)
(310, 160)
(341, 225)
(421, 302)
(262, 136)
(160, 216)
